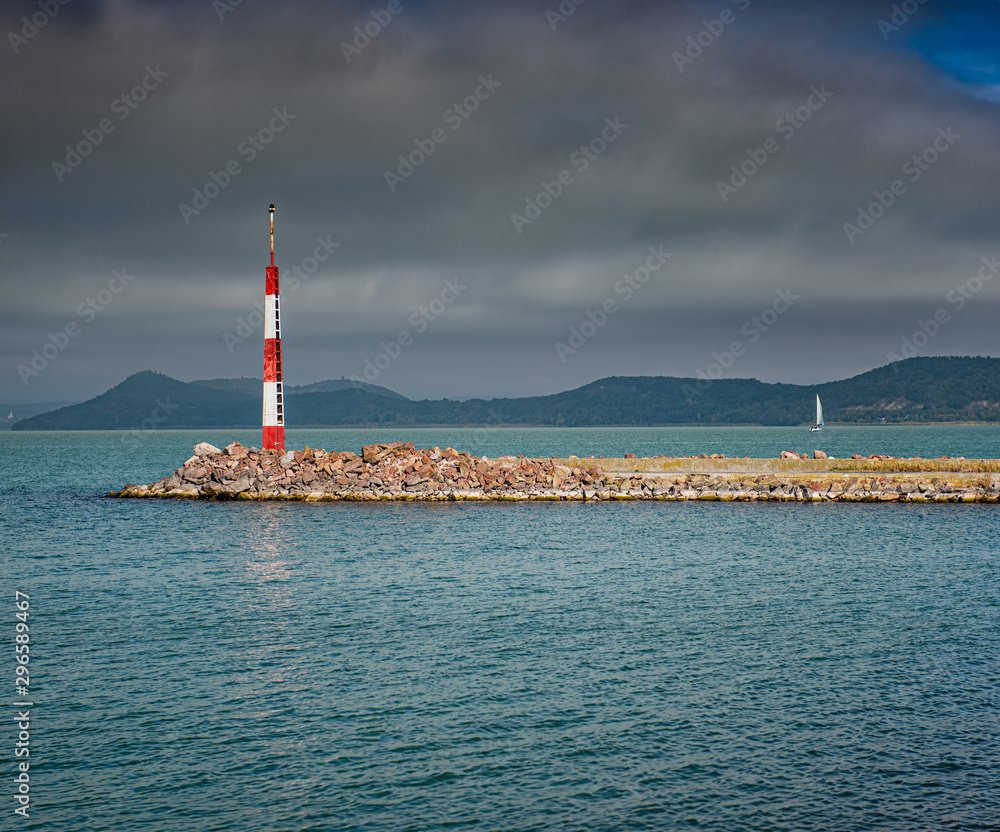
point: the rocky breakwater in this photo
(398, 471)
(393, 471)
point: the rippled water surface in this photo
(230, 666)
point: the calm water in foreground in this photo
(230, 666)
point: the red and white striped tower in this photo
(274, 408)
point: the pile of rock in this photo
(398, 471)
(395, 470)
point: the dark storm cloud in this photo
(502, 101)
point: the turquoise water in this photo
(661, 666)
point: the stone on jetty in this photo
(399, 471)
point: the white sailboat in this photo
(819, 416)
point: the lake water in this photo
(527, 666)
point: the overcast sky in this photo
(784, 190)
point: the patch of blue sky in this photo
(963, 43)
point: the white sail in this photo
(819, 416)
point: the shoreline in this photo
(513, 426)
(399, 471)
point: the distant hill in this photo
(154, 400)
(242, 386)
(11, 413)
(149, 397)
(252, 387)
(915, 390)
(335, 385)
